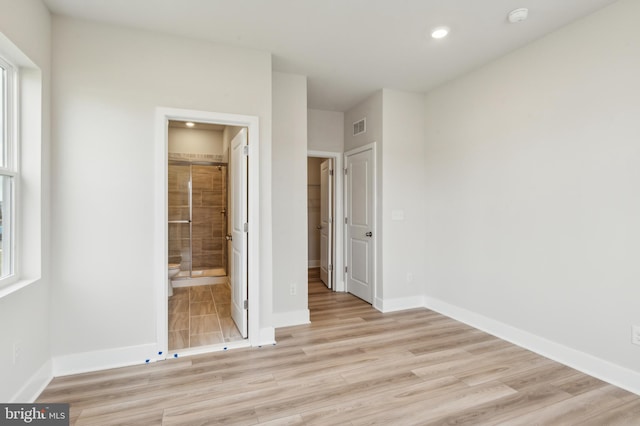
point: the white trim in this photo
(218, 347)
(374, 276)
(104, 359)
(287, 319)
(338, 214)
(581, 361)
(399, 303)
(267, 336)
(163, 115)
(32, 389)
(313, 263)
(11, 222)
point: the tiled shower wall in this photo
(209, 199)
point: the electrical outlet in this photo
(635, 334)
(292, 289)
(17, 352)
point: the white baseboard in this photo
(581, 361)
(65, 365)
(314, 263)
(287, 319)
(267, 337)
(35, 385)
(399, 304)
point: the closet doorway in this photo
(325, 218)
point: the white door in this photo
(326, 221)
(238, 258)
(360, 223)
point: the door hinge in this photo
(345, 221)
(246, 227)
(246, 304)
(330, 172)
(346, 269)
(330, 267)
(245, 150)
(345, 170)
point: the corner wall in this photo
(25, 313)
(402, 209)
(531, 189)
(289, 200)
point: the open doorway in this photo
(203, 197)
(320, 214)
(325, 219)
(201, 221)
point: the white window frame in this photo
(10, 169)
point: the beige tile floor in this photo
(201, 315)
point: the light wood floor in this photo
(351, 365)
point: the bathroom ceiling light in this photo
(440, 32)
(189, 124)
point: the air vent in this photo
(360, 127)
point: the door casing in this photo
(160, 261)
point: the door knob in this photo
(319, 227)
(228, 237)
(369, 234)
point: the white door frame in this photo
(160, 260)
(374, 273)
(338, 215)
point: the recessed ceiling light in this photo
(189, 124)
(440, 32)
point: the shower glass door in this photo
(179, 215)
(209, 220)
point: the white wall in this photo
(196, 141)
(402, 184)
(289, 199)
(325, 130)
(107, 83)
(25, 28)
(531, 188)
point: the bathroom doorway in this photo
(243, 222)
(200, 303)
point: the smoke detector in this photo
(518, 15)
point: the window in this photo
(8, 169)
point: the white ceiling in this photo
(348, 48)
